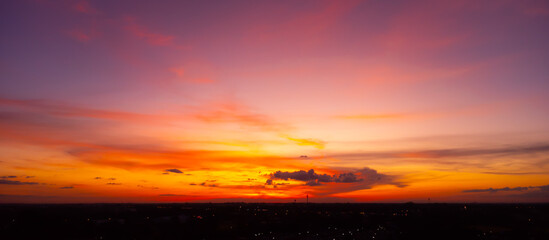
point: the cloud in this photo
(516, 173)
(494, 190)
(171, 195)
(152, 38)
(8, 177)
(97, 178)
(230, 112)
(507, 189)
(308, 176)
(58, 109)
(111, 183)
(364, 178)
(308, 142)
(68, 187)
(313, 183)
(522, 194)
(178, 71)
(193, 74)
(80, 35)
(301, 175)
(9, 182)
(173, 170)
(84, 7)
(372, 116)
(449, 152)
(205, 185)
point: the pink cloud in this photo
(178, 71)
(84, 7)
(80, 36)
(152, 38)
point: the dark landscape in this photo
(275, 221)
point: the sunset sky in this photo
(271, 101)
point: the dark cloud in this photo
(507, 189)
(111, 183)
(97, 178)
(493, 190)
(364, 178)
(312, 183)
(192, 184)
(310, 176)
(9, 182)
(516, 173)
(304, 176)
(171, 195)
(8, 176)
(523, 194)
(112, 179)
(173, 170)
(68, 187)
(29, 176)
(206, 185)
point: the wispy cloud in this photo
(507, 189)
(308, 142)
(149, 36)
(10, 182)
(494, 190)
(84, 6)
(373, 116)
(233, 112)
(449, 152)
(66, 110)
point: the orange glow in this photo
(343, 101)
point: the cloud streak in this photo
(449, 153)
(10, 182)
(308, 142)
(507, 189)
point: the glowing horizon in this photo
(270, 101)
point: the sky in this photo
(271, 101)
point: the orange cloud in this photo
(308, 142)
(240, 114)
